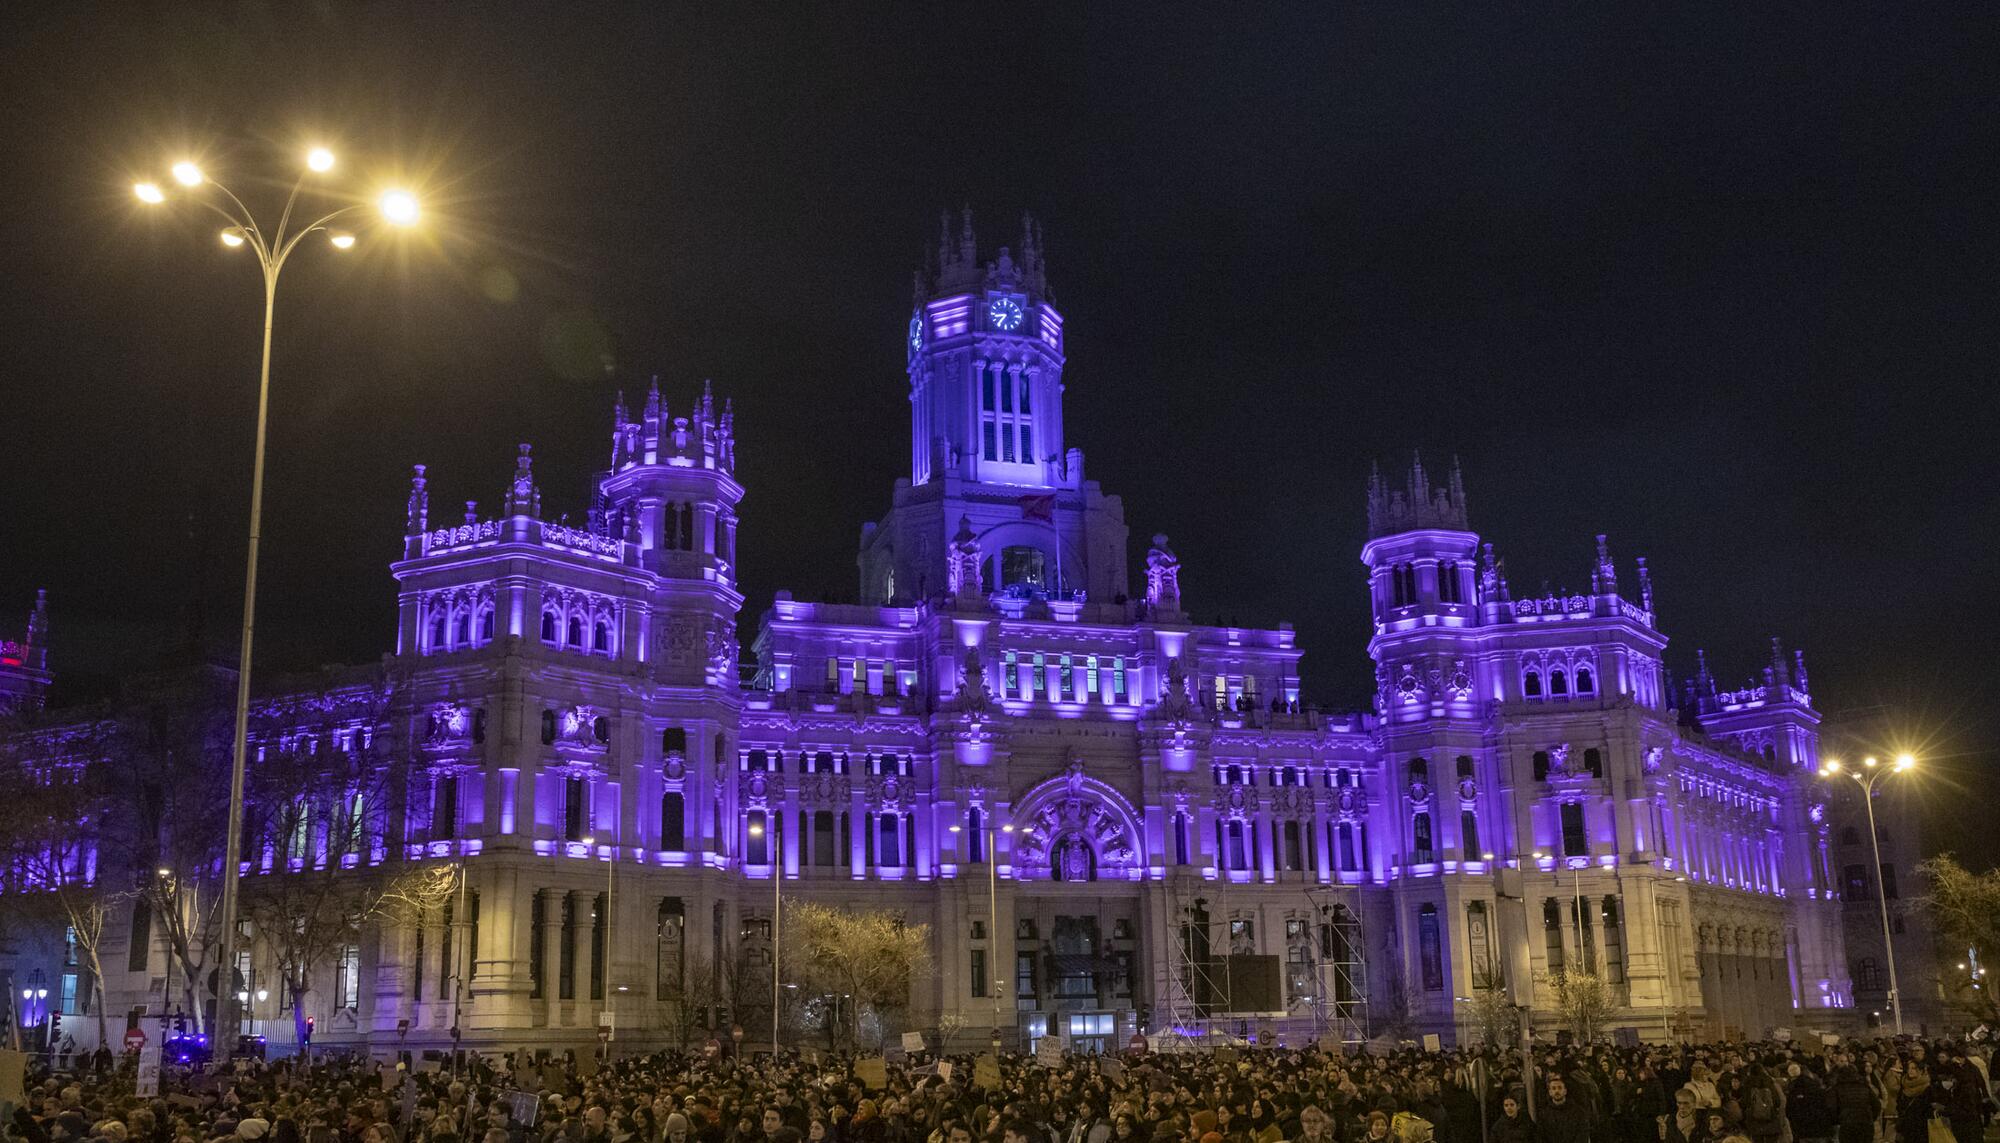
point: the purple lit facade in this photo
(1014, 707)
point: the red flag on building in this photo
(1039, 506)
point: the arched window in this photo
(486, 626)
(1770, 753)
(602, 642)
(1448, 581)
(1420, 770)
(1531, 684)
(437, 632)
(1584, 682)
(1073, 860)
(1541, 765)
(548, 627)
(600, 728)
(1464, 766)
(1593, 761)
(1558, 683)
(575, 632)
(464, 626)
(1023, 564)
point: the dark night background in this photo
(1717, 282)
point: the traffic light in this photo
(55, 1026)
(309, 1029)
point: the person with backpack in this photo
(1763, 1107)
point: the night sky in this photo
(1719, 283)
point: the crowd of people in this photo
(1882, 1091)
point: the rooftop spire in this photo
(523, 498)
(1606, 575)
(417, 514)
(1645, 586)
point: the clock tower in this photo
(988, 465)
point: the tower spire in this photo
(968, 248)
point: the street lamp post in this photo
(993, 921)
(272, 250)
(1871, 773)
(777, 862)
(610, 1005)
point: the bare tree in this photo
(1498, 1020)
(1581, 1000)
(698, 993)
(1964, 908)
(56, 815)
(166, 775)
(867, 959)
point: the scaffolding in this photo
(1197, 980)
(1340, 1000)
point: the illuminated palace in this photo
(1030, 746)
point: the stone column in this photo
(552, 955)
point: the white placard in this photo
(913, 1041)
(149, 1068)
(1048, 1051)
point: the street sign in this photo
(1137, 1043)
(135, 1038)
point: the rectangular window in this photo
(1118, 691)
(977, 969)
(822, 827)
(1889, 882)
(1066, 687)
(1037, 678)
(1181, 832)
(347, 978)
(66, 1002)
(417, 961)
(1347, 846)
(1006, 391)
(448, 967)
(1012, 683)
(1855, 880)
(1007, 443)
(1294, 852)
(1024, 979)
(444, 808)
(599, 923)
(986, 391)
(576, 818)
(1089, 677)
(757, 839)
(1576, 843)
(1468, 833)
(566, 954)
(1421, 850)
(1430, 950)
(891, 836)
(990, 441)
(673, 821)
(1027, 443)
(536, 945)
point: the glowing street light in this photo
(400, 208)
(1867, 777)
(272, 249)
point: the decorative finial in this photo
(1645, 586)
(523, 498)
(416, 519)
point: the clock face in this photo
(1005, 314)
(916, 333)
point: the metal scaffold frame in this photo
(1340, 1006)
